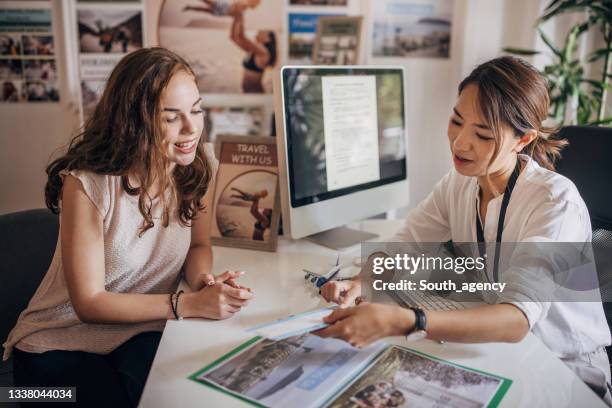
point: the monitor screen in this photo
(345, 130)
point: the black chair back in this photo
(587, 162)
(27, 244)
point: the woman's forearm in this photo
(115, 308)
(198, 262)
(489, 323)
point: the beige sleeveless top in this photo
(148, 264)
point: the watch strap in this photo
(420, 323)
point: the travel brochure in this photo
(330, 373)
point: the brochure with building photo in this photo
(330, 373)
(401, 377)
(276, 373)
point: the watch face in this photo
(416, 335)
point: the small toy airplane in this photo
(319, 280)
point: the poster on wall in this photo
(232, 46)
(337, 41)
(411, 28)
(235, 120)
(28, 69)
(302, 36)
(105, 34)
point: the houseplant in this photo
(576, 99)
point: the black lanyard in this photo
(500, 223)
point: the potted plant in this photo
(575, 99)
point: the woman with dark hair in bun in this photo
(503, 188)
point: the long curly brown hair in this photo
(123, 135)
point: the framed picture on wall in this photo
(337, 41)
(411, 28)
(246, 202)
(239, 120)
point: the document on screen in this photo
(350, 118)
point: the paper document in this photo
(293, 325)
(350, 120)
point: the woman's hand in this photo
(228, 277)
(368, 322)
(217, 301)
(344, 293)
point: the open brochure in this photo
(308, 371)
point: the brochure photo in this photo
(402, 378)
(277, 373)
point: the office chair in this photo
(27, 244)
(587, 162)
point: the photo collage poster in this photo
(411, 28)
(28, 69)
(106, 32)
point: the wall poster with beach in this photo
(106, 33)
(411, 28)
(233, 47)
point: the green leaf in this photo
(604, 121)
(550, 44)
(571, 43)
(552, 4)
(566, 6)
(602, 11)
(597, 54)
(520, 51)
(593, 83)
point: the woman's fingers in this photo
(232, 309)
(237, 293)
(227, 275)
(333, 331)
(208, 279)
(236, 302)
(338, 314)
(332, 291)
(232, 283)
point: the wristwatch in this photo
(420, 325)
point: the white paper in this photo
(293, 325)
(351, 130)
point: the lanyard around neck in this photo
(500, 222)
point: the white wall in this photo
(30, 133)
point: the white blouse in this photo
(544, 207)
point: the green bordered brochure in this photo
(308, 371)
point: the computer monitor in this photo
(341, 134)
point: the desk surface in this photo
(539, 378)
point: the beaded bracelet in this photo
(174, 304)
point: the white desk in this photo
(539, 378)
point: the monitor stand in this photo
(341, 237)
